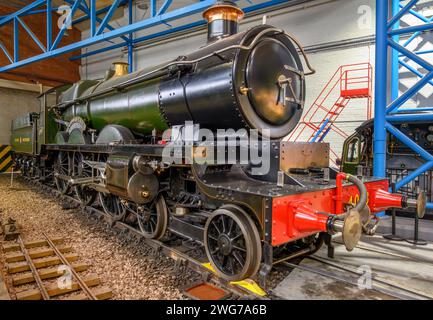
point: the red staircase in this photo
(349, 82)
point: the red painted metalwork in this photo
(293, 217)
(306, 219)
(339, 193)
(381, 200)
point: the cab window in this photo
(353, 148)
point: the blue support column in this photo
(16, 41)
(131, 38)
(49, 24)
(379, 162)
(395, 66)
(388, 35)
(152, 8)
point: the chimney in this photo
(120, 68)
(223, 20)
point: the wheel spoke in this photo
(224, 261)
(212, 237)
(216, 227)
(236, 237)
(239, 259)
(239, 248)
(223, 223)
(230, 227)
(231, 263)
(116, 207)
(151, 223)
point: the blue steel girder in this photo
(388, 32)
(96, 12)
(32, 35)
(172, 30)
(161, 16)
(67, 22)
(93, 16)
(164, 7)
(108, 17)
(6, 52)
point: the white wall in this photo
(334, 20)
(314, 23)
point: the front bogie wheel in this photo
(232, 243)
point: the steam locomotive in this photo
(135, 145)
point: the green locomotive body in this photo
(22, 139)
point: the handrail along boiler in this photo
(103, 140)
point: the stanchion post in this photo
(416, 240)
(393, 236)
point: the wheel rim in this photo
(232, 243)
(112, 205)
(80, 170)
(62, 168)
(152, 220)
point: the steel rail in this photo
(388, 253)
(351, 282)
(375, 279)
(80, 281)
(36, 276)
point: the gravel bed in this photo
(122, 264)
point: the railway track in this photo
(349, 276)
(54, 268)
(245, 290)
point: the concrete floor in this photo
(399, 264)
(405, 227)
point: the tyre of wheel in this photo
(225, 246)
